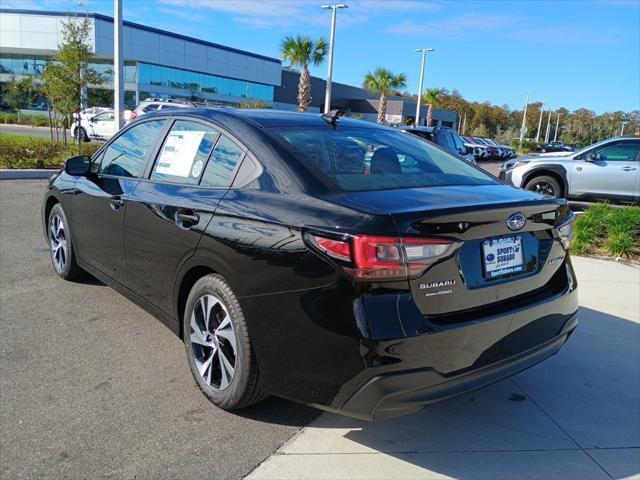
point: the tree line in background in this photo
(580, 127)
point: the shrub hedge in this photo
(607, 230)
(29, 152)
(22, 119)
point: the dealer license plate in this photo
(502, 256)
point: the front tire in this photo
(61, 248)
(80, 134)
(545, 185)
(218, 346)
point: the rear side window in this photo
(184, 153)
(362, 159)
(618, 152)
(222, 164)
(128, 154)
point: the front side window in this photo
(184, 153)
(617, 152)
(104, 117)
(362, 159)
(127, 155)
(222, 164)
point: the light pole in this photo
(327, 96)
(546, 135)
(118, 64)
(622, 128)
(424, 59)
(555, 134)
(540, 121)
(524, 117)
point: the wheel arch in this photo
(556, 171)
(187, 280)
(48, 206)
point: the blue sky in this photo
(571, 53)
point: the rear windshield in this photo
(362, 159)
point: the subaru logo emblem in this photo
(516, 221)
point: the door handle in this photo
(115, 203)
(186, 218)
(628, 169)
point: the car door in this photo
(168, 211)
(607, 171)
(100, 200)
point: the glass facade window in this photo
(22, 64)
(32, 65)
(147, 74)
(201, 82)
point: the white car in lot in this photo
(91, 112)
(101, 126)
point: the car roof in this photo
(419, 129)
(265, 118)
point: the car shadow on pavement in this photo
(575, 415)
(280, 411)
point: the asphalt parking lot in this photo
(91, 387)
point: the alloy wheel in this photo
(213, 342)
(544, 188)
(58, 242)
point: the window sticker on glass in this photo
(197, 168)
(178, 153)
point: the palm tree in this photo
(301, 51)
(430, 98)
(382, 81)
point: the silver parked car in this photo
(608, 170)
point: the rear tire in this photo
(218, 347)
(61, 249)
(80, 134)
(545, 185)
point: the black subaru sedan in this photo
(333, 262)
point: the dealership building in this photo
(162, 64)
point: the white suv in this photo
(609, 170)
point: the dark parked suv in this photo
(289, 269)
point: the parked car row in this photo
(555, 147)
(445, 138)
(489, 149)
(608, 170)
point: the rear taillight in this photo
(367, 257)
(565, 230)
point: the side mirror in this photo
(92, 120)
(78, 166)
(469, 150)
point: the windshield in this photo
(363, 159)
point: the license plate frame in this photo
(502, 256)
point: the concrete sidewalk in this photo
(574, 416)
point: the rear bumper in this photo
(408, 392)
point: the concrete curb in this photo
(27, 173)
